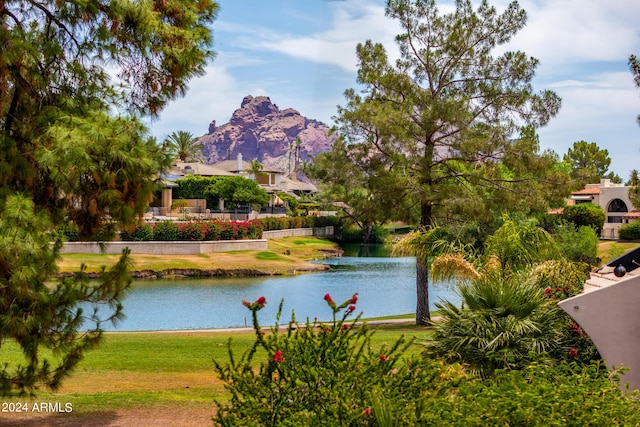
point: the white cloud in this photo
(579, 30)
(352, 22)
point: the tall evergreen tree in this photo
(74, 79)
(450, 128)
(589, 163)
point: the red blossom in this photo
(548, 291)
(345, 326)
(382, 357)
(261, 301)
(351, 308)
(327, 298)
(367, 411)
(278, 357)
(246, 303)
(573, 353)
(354, 298)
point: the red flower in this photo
(351, 308)
(278, 357)
(261, 301)
(327, 298)
(354, 298)
(246, 303)
(573, 353)
(548, 291)
(345, 326)
(367, 411)
(382, 357)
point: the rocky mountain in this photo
(260, 130)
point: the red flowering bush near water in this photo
(322, 373)
(195, 231)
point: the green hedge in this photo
(630, 231)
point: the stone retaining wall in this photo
(191, 248)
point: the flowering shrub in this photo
(323, 374)
(195, 231)
(327, 374)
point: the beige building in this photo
(614, 200)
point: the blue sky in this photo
(301, 53)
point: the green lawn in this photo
(142, 370)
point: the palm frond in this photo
(453, 266)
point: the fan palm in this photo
(184, 146)
(504, 320)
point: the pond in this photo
(386, 286)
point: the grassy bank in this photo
(132, 372)
(284, 256)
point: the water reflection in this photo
(386, 286)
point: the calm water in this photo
(386, 286)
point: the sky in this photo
(301, 54)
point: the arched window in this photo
(617, 205)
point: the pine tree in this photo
(450, 128)
(75, 79)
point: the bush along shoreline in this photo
(212, 229)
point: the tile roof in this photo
(595, 190)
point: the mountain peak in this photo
(260, 130)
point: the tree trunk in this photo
(422, 273)
(422, 288)
(367, 232)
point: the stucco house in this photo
(613, 199)
(272, 181)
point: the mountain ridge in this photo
(278, 139)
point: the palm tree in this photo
(504, 320)
(184, 146)
(255, 168)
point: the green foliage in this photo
(165, 231)
(238, 191)
(578, 245)
(322, 374)
(141, 233)
(634, 191)
(69, 231)
(518, 244)
(195, 187)
(195, 231)
(41, 316)
(539, 395)
(430, 137)
(73, 146)
(586, 214)
(503, 323)
(630, 231)
(589, 163)
(350, 233)
(634, 65)
(562, 279)
(184, 146)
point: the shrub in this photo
(70, 232)
(565, 394)
(192, 231)
(630, 231)
(578, 245)
(140, 233)
(323, 374)
(504, 323)
(586, 214)
(166, 231)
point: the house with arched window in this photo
(614, 200)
